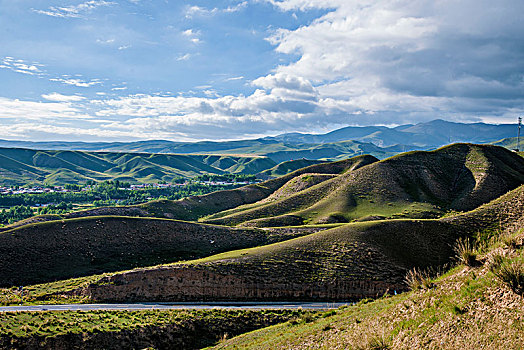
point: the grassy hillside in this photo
(414, 184)
(510, 143)
(23, 166)
(466, 308)
(158, 329)
(62, 249)
(288, 167)
(333, 151)
(352, 261)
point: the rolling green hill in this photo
(415, 184)
(24, 166)
(412, 185)
(510, 143)
(287, 167)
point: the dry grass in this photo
(494, 261)
(511, 240)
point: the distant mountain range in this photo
(435, 133)
(428, 135)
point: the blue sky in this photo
(215, 70)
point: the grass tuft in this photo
(512, 274)
(466, 252)
(495, 261)
(377, 342)
(418, 279)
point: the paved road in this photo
(171, 306)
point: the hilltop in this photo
(510, 143)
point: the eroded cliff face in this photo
(193, 284)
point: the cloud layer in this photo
(359, 62)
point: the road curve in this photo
(174, 306)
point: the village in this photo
(4, 190)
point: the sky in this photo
(189, 70)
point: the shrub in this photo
(512, 274)
(465, 252)
(379, 343)
(329, 313)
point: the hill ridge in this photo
(458, 177)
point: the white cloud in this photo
(62, 98)
(234, 78)
(185, 57)
(192, 35)
(77, 82)
(198, 11)
(236, 7)
(105, 42)
(74, 11)
(192, 11)
(22, 66)
(418, 59)
(210, 93)
(30, 131)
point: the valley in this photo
(331, 231)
